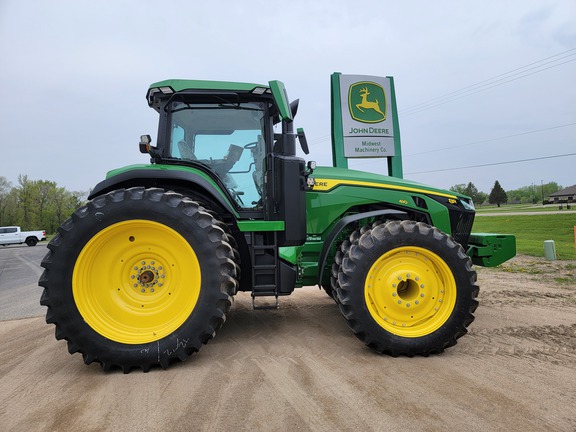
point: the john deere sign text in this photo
(366, 116)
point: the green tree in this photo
(471, 190)
(11, 209)
(497, 195)
(45, 191)
(5, 188)
(27, 194)
(532, 194)
(37, 204)
(481, 198)
(458, 188)
(64, 204)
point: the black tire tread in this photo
(353, 253)
(57, 314)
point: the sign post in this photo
(365, 121)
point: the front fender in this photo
(339, 227)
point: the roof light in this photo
(166, 90)
(260, 90)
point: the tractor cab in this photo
(227, 131)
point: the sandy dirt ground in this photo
(300, 368)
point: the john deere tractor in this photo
(145, 272)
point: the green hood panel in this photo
(336, 190)
(328, 178)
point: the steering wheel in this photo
(251, 145)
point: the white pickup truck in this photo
(13, 235)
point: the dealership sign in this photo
(367, 116)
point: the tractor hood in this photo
(328, 178)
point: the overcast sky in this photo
(477, 82)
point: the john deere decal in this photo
(363, 125)
(367, 102)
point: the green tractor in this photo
(145, 272)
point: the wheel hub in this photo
(147, 276)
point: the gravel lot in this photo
(300, 367)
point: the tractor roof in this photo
(168, 87)
(180, 84)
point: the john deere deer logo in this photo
(367, 102)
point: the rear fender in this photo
(167, 179)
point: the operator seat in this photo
(186, 151)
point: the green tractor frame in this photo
(145, 272)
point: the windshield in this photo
(227, 138)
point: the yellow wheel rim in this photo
(136, 281)
(410, 291)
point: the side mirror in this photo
(302, 139)
(146, 148)
(144, 144)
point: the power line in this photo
(494, 78)
(498, 80)
(492, 164)
(492, 139)
(313, 142)
(497, 76)
(433, 105)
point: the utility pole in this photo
(542, 183)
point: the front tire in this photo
(406, 288)
(137, 278)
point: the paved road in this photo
(19, 273)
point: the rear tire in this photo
(137, 278)
(31, 241)
(406, 288)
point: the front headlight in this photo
(468, 205)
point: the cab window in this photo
(226, 138)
